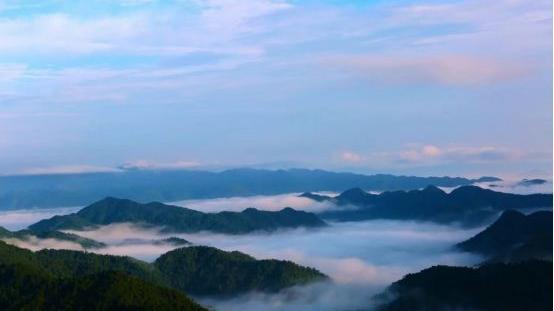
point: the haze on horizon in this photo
(412, 87)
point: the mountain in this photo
(205, 270)
(68, 263)
(25, 287)
(531, 182)
(514, 237)
(195, 270)
(315, 197)
(73, 280)
(469, 205)
(178, 219)
(25, 235)
(43, 191)
(492, 287)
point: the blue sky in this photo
(414, 87)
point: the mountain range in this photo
(491, 287)
(26, 235)
(514, 237)
(178, 219)
(516, 273)
(197, 270)
(58, 190)
(469, 205)
(206, 270)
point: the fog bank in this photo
(20, 219)
(362, 258)
(262, 202)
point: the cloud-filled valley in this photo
(361, 258)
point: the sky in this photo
(411, 87)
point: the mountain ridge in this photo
(178, 219)
(43, 191)
(469, 205)
(514, 237)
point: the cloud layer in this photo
(362, 258)
(327, 84)
(267, 203)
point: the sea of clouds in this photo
(361, 258)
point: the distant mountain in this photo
(508, 287)
(514, 237)
(468, 205)
(487, 179)
(178, 219)
(202, 270)
(42, 191)
(315, 197)
(531, 182)
(25, 235)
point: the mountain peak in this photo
(432, 189)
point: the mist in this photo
(20, 219)
(361, 258)
(261, 202)
(33, 243)
(514, 186)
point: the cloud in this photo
(20, 219)
(458, 70)
(457, 153)
(362, 258)
(433, 155)
(11, 72)
(144, 164)
(244, 35)
(431, 151)
(216, 27)
(35, 244)
(349, 156)
(268, 203)
(67, 169)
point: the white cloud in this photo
(262, 202)
(349, 156)
(35, 244)
(144, 164)
(215, 29)
(431, 151)
(458, 153)
(429, 155)
(443, 69)
(67, 169)
(20, 219)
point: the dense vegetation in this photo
(67, 263)
(514, 237)
(507, 287)
(469, 205)
(205, 270)
(193, 270)
(167, 186)
(24, 287)
(178, 219)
